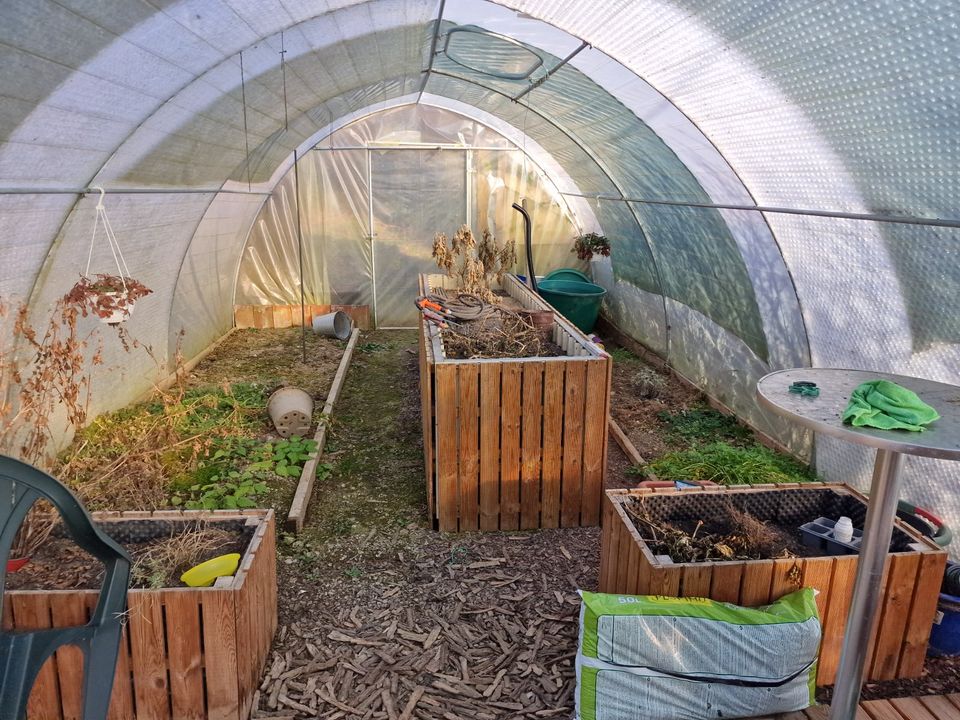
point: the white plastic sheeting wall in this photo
(432, 170)
(831, 106)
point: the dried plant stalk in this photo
(473, 263)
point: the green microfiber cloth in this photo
(888, 406)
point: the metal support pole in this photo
(373, 249)
(881, 511)
(303, 310)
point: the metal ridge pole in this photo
(537, 83)
(433, 50)
(906, 220)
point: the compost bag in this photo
(651, 657)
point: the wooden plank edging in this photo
(301, 499)
(629, 449)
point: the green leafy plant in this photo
(730, 465)
(286, 457)
(703, 424)
(229, 492)
(590, 244)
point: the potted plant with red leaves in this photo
(109, 297)
(590, 244)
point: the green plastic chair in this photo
(23, 653)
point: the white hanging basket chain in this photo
(101, 218)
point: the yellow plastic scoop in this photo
(205, 573)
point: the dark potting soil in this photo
(61, 565)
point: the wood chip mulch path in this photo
(473, 626)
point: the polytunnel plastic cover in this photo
(194, 108)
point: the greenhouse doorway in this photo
(415, 192)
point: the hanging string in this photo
(283, 75)
(246, 134)
(303, 311)
(101, 219)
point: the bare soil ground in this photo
(380, 616)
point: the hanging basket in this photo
(110, 297)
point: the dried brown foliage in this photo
(164, 561)
(46, 369)
(474, 263)
(735, 535)
(496, 335)
(104, 295)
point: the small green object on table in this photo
(887, 406)
(805, 389)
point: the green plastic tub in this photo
(578, 301)
(569, 274)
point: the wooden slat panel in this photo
(841, 590)
(665, 580)
(881, 710)
(725, 583)
(148, 656)
(645, 570)
(69, 610)
(633, 569)
(220, 654)
(426, 417)
(552, 470)
(573, 414)
(609, 543)
(121, 699)
(940, 707)
(912, 708)
(186, 662)
(755, 584)
(594, 440)
(817, 573)
(628, 559)
(531, 422)
(696, 581)
(489, 446)
(786, 578)
(243, 317)
(32, 612)
(468, 414)
(283, 317)
(894, 613)
(874, 631)
(510, 385)
(922, 611)
(261, 318)
(446, 402)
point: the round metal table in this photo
(823, 414)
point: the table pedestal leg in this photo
(881, 511)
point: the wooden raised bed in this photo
(185, 652)
(910, 587)
(515, 443)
